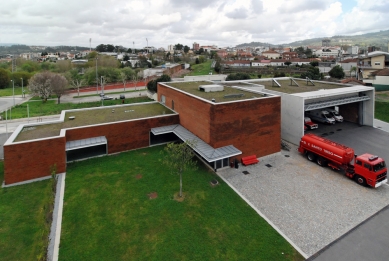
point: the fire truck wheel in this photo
(321, 162)
(311, 156)
(360, 180)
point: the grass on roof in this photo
(25, 220)
(192, 88)
(94, 116)
(286, 86)
(108, 215)
(39, 108)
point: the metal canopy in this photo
(207, 152)
(325, 104)
(90, 142)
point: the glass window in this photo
(358, 162)
(163, 99)
(172, 105)
(366, 165)
(379, 166)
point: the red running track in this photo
(109, 87)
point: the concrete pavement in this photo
(367, 241)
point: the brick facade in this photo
(33, 159)
(252, 126)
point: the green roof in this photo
(228, 94)
(92, 116)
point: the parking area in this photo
(363, 139)
(311, 205)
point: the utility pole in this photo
(97, 79)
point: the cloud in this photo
(239, 13)
(164, 22)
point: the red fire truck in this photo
(367, 169)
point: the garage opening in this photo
(162, 138)
(86, 148)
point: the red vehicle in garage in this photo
(367, 169)
(308, 123)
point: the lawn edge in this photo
(55, 229)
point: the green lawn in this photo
(24, 220)
(109, 216)
(382, 111)
(38, 108)
(201, 68)
(9, 91)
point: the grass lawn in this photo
(201, 68)
(382, 111)
(9, 92)
(108, 215)
(38, 108)
(24, 220)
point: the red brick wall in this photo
(125, 135)
(194, 113)
(252, 126)
(25, 161)
(31, 160)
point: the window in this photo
(366, 165)
(377, 63)
(163, 99)
(358, 162)
(172, 105)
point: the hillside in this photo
(378, 39)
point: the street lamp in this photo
(13, 90)
(102, 91)
(22, 88)
(97, 81)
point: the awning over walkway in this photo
(325, 104)
(90, 142)
(206, 151)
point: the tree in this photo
(287, 63)
(124, 79)
(58, 85)
(40, 85)
(75, 79)
(201, 50)
(178, 46)
(217, 67)
(152, 85)
(237, 76)
(178, 157)
(353, 69)
(4, 78)
(313, 73)
(186, 49)
(314, 63)
(337, 72)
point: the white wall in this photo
(292, 116)
(217, 77)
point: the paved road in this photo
(7, 102)
(368, 241)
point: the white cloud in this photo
(163, 22)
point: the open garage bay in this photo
(311, 205)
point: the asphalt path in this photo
(7, 102)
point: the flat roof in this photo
(332, 92)
(93, 116)
(302, 87)
(227, 95)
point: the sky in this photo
(163, 22)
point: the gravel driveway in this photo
(311, 205)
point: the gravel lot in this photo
(311, 205)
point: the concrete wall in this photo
(292, 116)
(217, 77)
